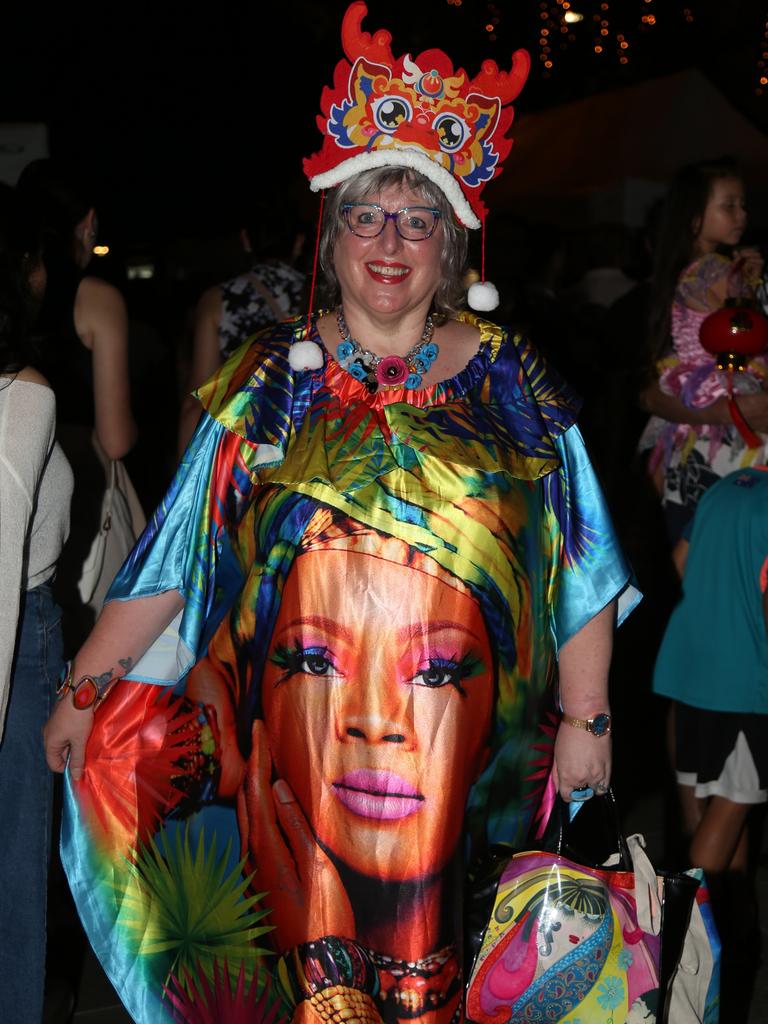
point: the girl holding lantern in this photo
(712, 411)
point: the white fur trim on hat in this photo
(483, 296)
(305, 355)
(399, 157)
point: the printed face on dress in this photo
(389, 274)
(725, 215)
(377, 701)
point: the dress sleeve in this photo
(27, 423)
(249, 404)
(708, 281)
(592, 569)
(185, 547)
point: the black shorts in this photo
(722, 753)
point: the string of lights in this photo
(609, 31)
(762, 63)
(602, 25)
(614, 28)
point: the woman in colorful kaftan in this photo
(383, 552)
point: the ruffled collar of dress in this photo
(503, 411)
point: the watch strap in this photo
(577, 723)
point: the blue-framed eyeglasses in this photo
(413, 223)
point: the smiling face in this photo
(377, 699)
(389, 274)
(725, 215)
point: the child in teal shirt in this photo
(713, 664)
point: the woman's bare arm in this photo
(585, 659)
(206, 359)
(101, 321)
(123, 632)
(674, 410)
(754, 408)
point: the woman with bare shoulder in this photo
(84, 324)
(35, 490)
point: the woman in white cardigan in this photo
(35, 492)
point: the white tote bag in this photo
(121, 522)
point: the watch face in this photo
(600, 725)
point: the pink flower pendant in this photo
(392, 370)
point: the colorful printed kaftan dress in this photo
(279, 801)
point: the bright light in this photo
(572, 17)
(141, 272)
(100, 250)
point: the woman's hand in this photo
(123, 632)
(65, 736)
(305, 893)
(581, 760)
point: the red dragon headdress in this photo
(415, 112)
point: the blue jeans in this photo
(26, 787)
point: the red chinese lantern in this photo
(734, 334)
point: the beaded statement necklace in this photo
(386, 371)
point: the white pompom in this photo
(483, 296)
(305, 355)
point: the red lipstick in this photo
(387, 273)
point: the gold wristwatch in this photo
(598, 725)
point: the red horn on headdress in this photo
(505, 85)
(354, 140)
(357, 43)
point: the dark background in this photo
(180, 114)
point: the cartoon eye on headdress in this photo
(451, 131)
(389, 112)
(476, 144)
(350, 108)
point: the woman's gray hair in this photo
(451, 292)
